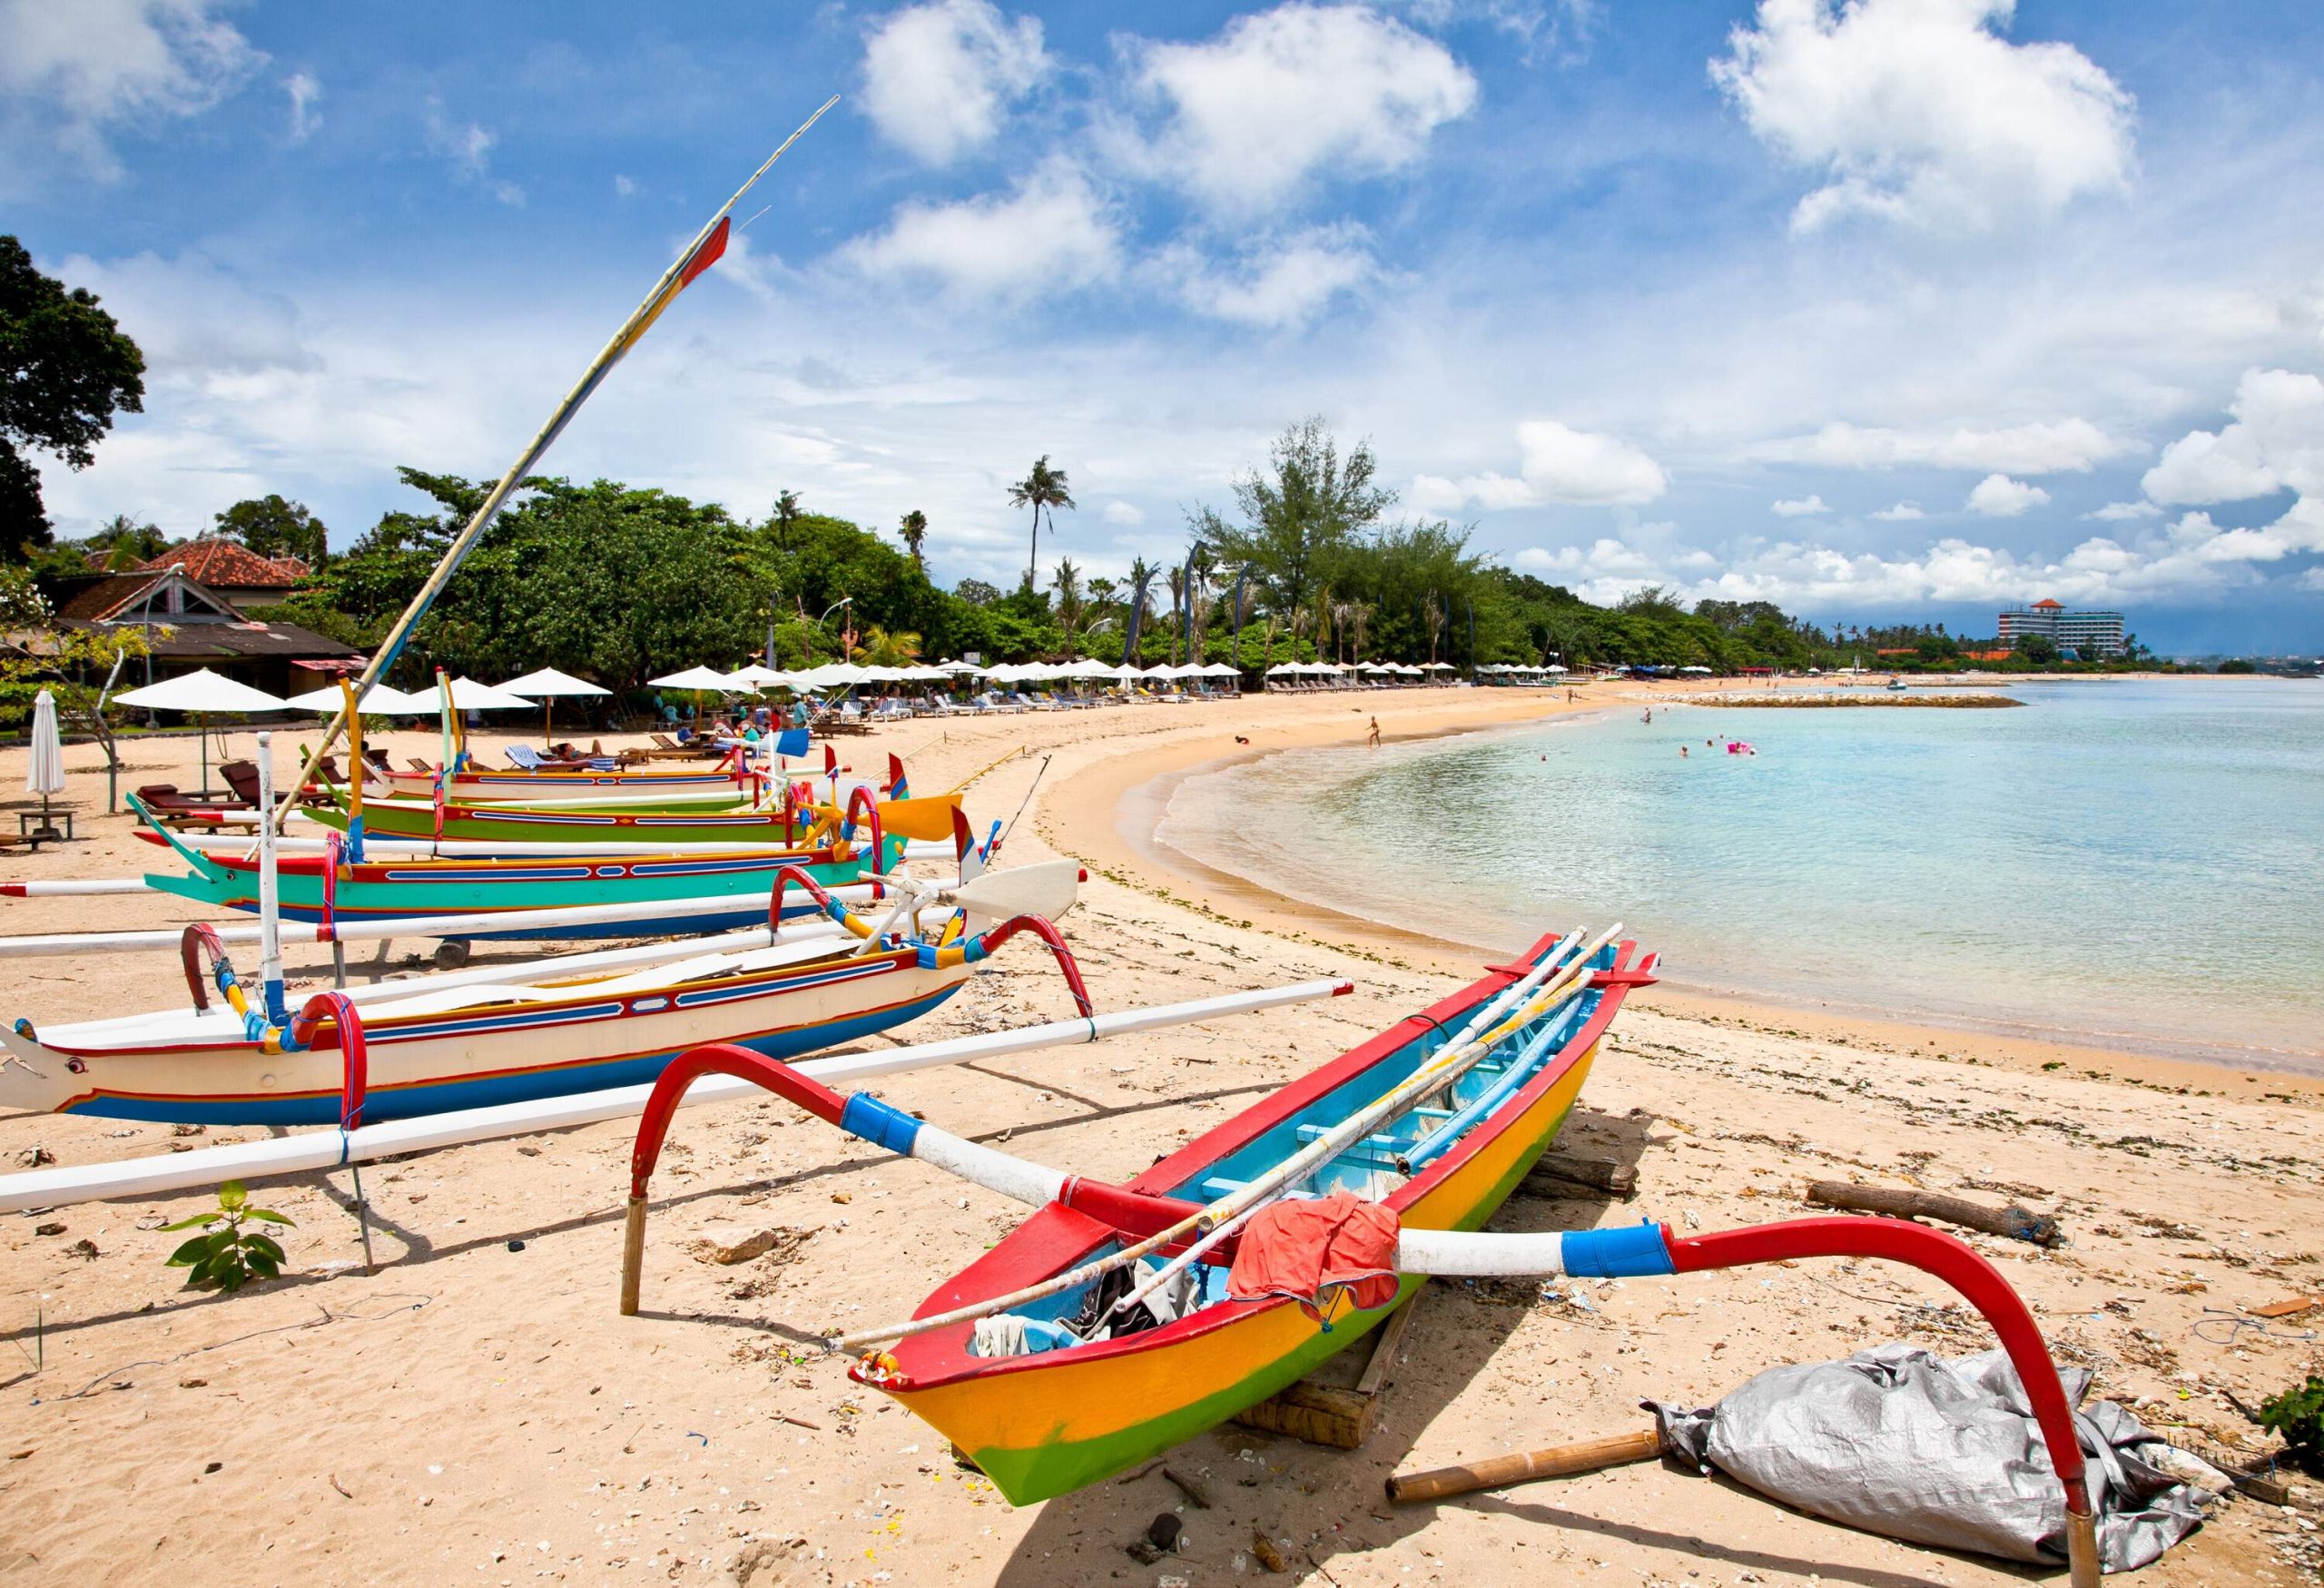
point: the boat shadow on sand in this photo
(1282, 1487)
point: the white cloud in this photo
(625, 187)
(1920, 112)
(1999, 497)
(197, 323)
(1799, 506)
(939, 78)
(1249, 116)
(1564, 465)
(2275, 443)
(1902, 513)
(1123, 514)
(2073, 444)
(1051, 233)
(306, 90)
(466, 147)
(1287, 282)
(72, 71)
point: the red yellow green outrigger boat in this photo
(1120, 1320)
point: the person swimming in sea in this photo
(1682, 752)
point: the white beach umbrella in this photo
(200, 693)
(545, 685)
(379, 700)
(956, 667)
(1222, 670)
(45, 775)
(472, 694)
(757, 675)
(703, 678)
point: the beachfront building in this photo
(2085, 634)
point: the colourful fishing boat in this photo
(1064, 1410)
(330, 892)
(433, 1044)
(779, 821)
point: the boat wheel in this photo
(451, 954)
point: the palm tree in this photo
(915, 529)
(1044, 489)
(1067, 585)
(786, 514)
(879, 648)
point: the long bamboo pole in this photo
(632, 328)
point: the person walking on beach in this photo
(1372, 741)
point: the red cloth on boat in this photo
(1306, 1249)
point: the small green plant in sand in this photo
(227, 1254)
(2299, 1415)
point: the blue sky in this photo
(1899, 308)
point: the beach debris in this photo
(1852, 1441)
(34, 1157)
(1557, 1172)
(2291, 1306)
(1163, 1536)
(1190, 1488)
(1264, 1550)
(781, 1243)
(85, 1249)
(56, 1227)
(515, 1245)
(2013, 1222)
(1525, 1466)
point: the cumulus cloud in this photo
(1125, 514)
(1920, 112)
(1276, 284)
(2123, 512)
(1799, 506)
(1902, 513)
(1999, 497)
(2068, 445)
(305, 91)
(938, 79)
(1051, 233)
(71, 74)
(2275, 443)
(1565, 465)
(1249, 116)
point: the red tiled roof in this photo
(2048, 605)
(232, 564)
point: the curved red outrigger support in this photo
(355, 1079)
(1957, 1264)
(1134, 1213)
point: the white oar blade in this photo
(1047, 888)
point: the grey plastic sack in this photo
(1898, 1441)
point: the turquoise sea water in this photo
(2129, 863)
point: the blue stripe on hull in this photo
(411, 1101)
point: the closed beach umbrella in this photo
(201, 693)
(47, 774)
(545, 685)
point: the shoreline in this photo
(1105, 814)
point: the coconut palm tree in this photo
(879, 648)
(1069, 606)
(914, 531)
(786, 514)
(1043, 490)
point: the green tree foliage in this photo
(272, 526)
(65, 369)
(1299, 514)
(913, 530)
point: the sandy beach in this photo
(477, 1411)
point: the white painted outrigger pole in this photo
(324, 1149)
(269, 894)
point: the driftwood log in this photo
(1557, 1172)
(1899, 1202)
(1496, 1471)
